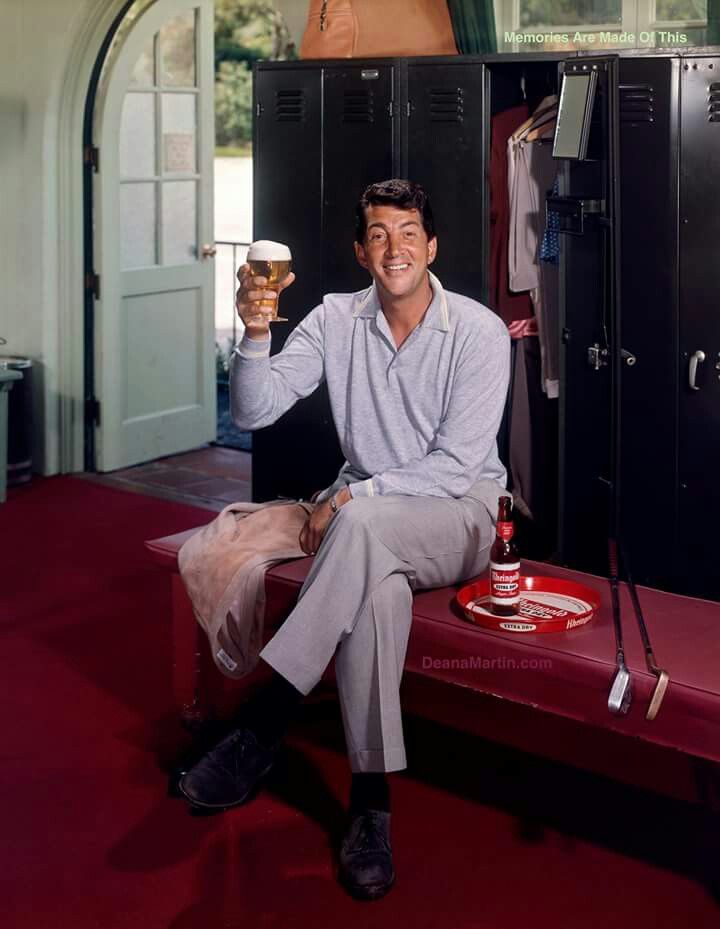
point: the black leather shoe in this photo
(366, 865)
(228, 775)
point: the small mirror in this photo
(572, 129)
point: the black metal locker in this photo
(359, 116)
(288, 208)
(445, 155)
(287, 179)
(640, 388)
(699, 360)
(589, 209)
(648, 267)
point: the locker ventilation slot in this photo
(290, 105)
(714, 103)
(358, 106)
(637, 104)
(446, 106)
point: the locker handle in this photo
(696, 358)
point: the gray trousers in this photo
(356, 605)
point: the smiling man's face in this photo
(396, 250)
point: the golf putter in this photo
(663, 678)
(620, 696)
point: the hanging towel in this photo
(223, 568)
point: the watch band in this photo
(333, 503)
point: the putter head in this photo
(663, 679)
(620, 692)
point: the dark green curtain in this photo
(713, 26)
(473, 23)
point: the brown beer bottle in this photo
(504, 564)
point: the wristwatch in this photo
(333, 503)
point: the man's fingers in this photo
(286, 281)
(309, 539)
(302, 539)
(247, 280)
(255, 296)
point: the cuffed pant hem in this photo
(301, 678)
(392, 760)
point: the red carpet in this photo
(485, 837)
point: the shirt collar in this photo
(436, 315)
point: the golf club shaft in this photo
(649, 656)
(615, 593)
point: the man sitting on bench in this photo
(417, 378)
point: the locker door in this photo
(287, 199)
(648, 425)
(445, 155)
(358, 149)
(298, 454)
(589, 305)
(699, 395)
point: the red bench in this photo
(565, 674)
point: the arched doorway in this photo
(149, 329)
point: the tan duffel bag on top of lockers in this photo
(377, 29)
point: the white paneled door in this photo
(153, 235)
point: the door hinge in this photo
(92, 410)
(92, 283)
(91, 156)
(258, 109)
(391, 109)
(408, 109)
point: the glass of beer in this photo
(273, 261)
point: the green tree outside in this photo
(558, 13)
(245, 31)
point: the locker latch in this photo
(597, 357)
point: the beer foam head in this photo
(265, 250)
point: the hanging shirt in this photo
(508, 305)
(526, 190)
(532, 173)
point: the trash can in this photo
(7, 380)
(19, 460)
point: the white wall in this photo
(36, 37)
(295, 15)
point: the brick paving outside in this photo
(209, 477)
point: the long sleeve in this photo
(467, 434)
(263, 388)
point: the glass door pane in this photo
(137, 136)
(137, 225)
(177, 56)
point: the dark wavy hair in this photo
(396, 192)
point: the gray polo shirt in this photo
(419, 420)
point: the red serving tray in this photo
(547, 604)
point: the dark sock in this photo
(270, 712)
(370, 791)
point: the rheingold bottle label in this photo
(505, 530)
(505, 584)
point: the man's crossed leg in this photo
(355, 605)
